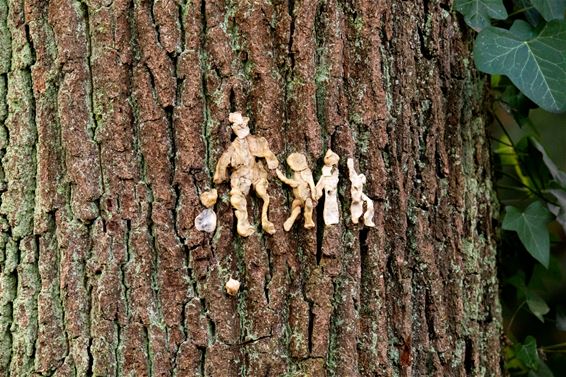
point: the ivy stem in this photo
(520, 11)
(500, 141)
(514, 315)
(514, 188)
(504, 130)
(533, 191)
(553, 346)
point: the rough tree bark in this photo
(113, 116)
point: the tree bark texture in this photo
(114, 114)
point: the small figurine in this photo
(232, 287)
(303, 189)
(358, 197)
(206, 220)
(329, 183)
(246, 172)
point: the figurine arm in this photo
(286, 180)
(351, 169)
(222, 166)
(310, 181)
(260, 148)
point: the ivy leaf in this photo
(534, 301)
(550, 9)
(518, 281)
(558, 175)
(527, 11)
(535, 63)
(560, 210)
(478, 13)
(542, 371)
(530, 225)
(527, 353)
(525, 356)
(522, 30)
(537, 305)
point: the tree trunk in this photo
(114, 114)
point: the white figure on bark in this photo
(328, 185)
(206, 220)
(246, 172)
(303, 189)
(358, 197)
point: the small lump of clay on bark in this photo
(232, 287)
(206, 221)
(208, 198)
(328, 185)
(358, 197)
(304, 190)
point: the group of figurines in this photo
(247, 172)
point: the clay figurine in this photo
(327, 185)
(358, 197)
(206, 220)
(304, 190)
(246, 172)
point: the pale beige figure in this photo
(246, 172)
(358, 197)
(206, 220)
(328, 185)
(304, 190)
(232, 287)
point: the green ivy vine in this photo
(522, 45)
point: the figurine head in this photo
(239, 124)
(331, 158)
(297, 161)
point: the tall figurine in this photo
(246, 172)
(358, 197)
(303, 189)
(329, 183)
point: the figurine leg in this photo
(261, 190)
(368, 215)
(295, 210)
(309, 224)
(238, 201)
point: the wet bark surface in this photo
(113, 115)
